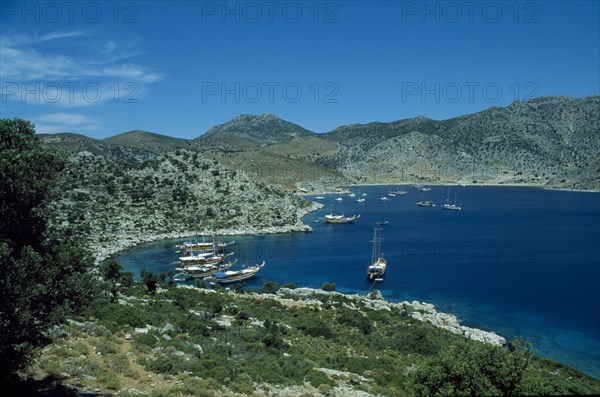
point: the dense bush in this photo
(114, 316)
(355, 319)
(43, 275)
(472, 368)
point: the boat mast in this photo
(376, 244)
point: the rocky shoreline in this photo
(102, 251)
(421, 311)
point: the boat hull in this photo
(236, 276)
(377, 269)
(337, 219)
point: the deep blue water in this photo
(517, 261)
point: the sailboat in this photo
(335, 219)
(448, 206)
(425, 203)
(378, 264)
(232, 276)
(202, 271)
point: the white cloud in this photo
(108, 47)
(56, 36)
(31, 59)
(53, 123)
(63, 118)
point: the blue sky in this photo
(178, 68)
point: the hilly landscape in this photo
(240, 176)
(152, 337)
(552, 142)
(118, 196)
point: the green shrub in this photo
(318, 378)
(149, 340)
(316, 328)
(418, 339)
(355, 319)
(114, 315)
(110, 381)
(471, 368)
(270, 287)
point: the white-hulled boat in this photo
(340, 218)
(204, 259)
(232, 276)
(203, 245)
(425, 204)
(448, 206)
(202, 271)
(378, 264)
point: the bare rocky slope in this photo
(549, 141)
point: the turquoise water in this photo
(516, 261)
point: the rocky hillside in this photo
(119, 201)
(295, 342)
(273, 151)
(550, 141)
(250, 130)
(138, 186)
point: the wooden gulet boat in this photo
(202, 271)
(340, 218)
(232, 276)
(378, 264)
(206, 258)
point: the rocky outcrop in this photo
(116, 203)
(425, 312)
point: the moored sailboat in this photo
(378, 264)
(232, 276)
(202, 271)
(340, 218)
(203, 245)
(448, 206)
(203, 258)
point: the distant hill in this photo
(548, 141)
(271, 150)
(249, 130)
(74, 142)
(152, 142)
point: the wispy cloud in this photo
(56, 36)
(52, 123)
(108, 47)
(59, 57)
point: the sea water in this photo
(522, 262)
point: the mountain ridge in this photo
(550, 141)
